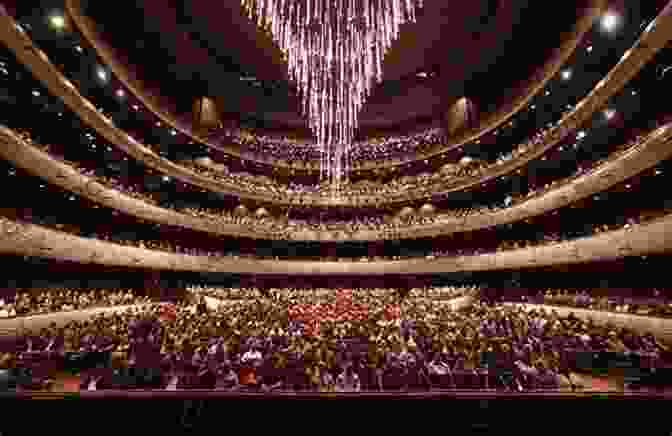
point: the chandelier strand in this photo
(334, 50)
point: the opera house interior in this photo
(363, 198)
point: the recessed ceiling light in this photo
(610, 21)
(158, 124)
(609, 114)
(36, 93)
(581, 134)
(173, 132)
(566, 74)
(120, 93)
(589, 48)
(57, 21)
(102, 74)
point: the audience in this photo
(66, 299)
(375, 221)
(654, 306)
(263, 345)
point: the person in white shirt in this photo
(438, 367)
(93, 381)
(172, 383)
(253, 355)
(4, 313)
(348, 381)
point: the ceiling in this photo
(473, 48)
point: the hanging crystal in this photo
(334, 50)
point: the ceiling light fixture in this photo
(610, 22)
(101, 73)
(57, 21)
(335, 51)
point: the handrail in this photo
(661, 327)
(436, 393)
(654, 38)
(28, 239)
(653, 149)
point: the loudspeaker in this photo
(206, 115)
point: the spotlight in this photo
(101, 73)
(589, 48)
(79, 49)
(136, 107)
(609, 114)
(566, 74)
(173, 132)
(36, 93)
(120, 93)
(581, 134)
(610, 22)
(57, 21)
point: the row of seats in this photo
(264, 345)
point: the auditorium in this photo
(336, 199)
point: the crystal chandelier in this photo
(334, 49)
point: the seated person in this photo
(227, 379)
(271, 375)
(348, 381)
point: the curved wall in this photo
(653, 39)
(654, 148)
(87, 28)
(660, 327)
(27, 239)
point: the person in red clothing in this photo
(251, 360)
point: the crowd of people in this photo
(384, 223)
(25, 303)
(352, 344)
(324, 294)
(435, 181)
(657, 305)
(260, 147)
